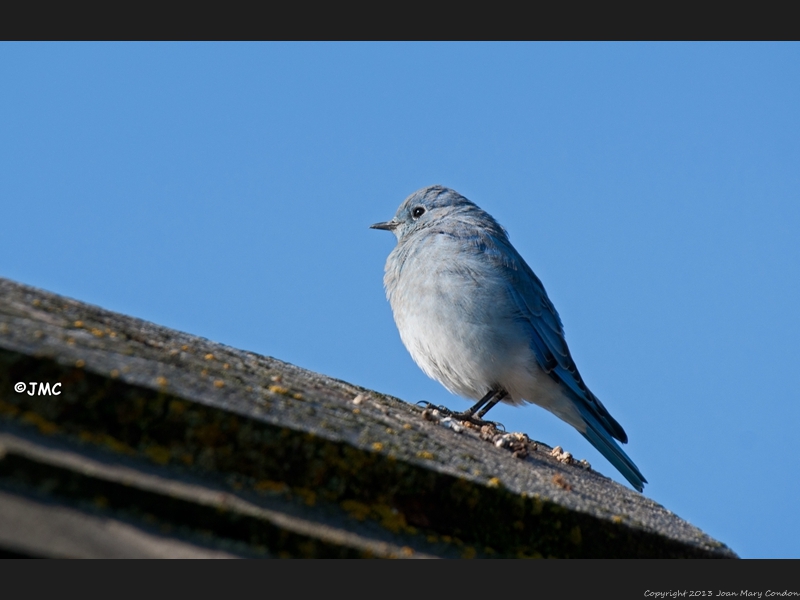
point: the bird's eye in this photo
(417, 212)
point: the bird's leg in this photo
(467, 415)
(490, 399)
(498, 396)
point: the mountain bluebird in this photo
(475, 318)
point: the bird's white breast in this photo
(455, 319)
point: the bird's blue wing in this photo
(546, 330)
(476, 231)
(550, 348)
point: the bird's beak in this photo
(388, 225)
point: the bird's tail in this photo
(600, 439)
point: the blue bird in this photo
(475, 317)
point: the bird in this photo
(476, 318)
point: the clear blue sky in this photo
(226, 190)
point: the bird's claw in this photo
(468, 417)
(440, 408)
(465, 416)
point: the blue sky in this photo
(226, 190)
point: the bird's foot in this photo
(477, 421)
(465, 416)
(432, 406)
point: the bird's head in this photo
(429, 207)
